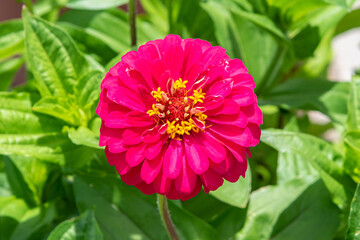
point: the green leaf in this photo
(94, 4)
(33, 220)
(292, 165)
(53, 57)
(352, 154)
(84, 136)
(11, 212)
(235, 194)
(311, 216)
(18, 185)
(117, 204)
(290, 211)
(5, 190)
(322, 156)
(8, 69)
(115, 207)
(64, 108)
(87, 92)
(351, 20)
(83, 227)
(35, 173)
(88, 43)
(11, 38)
(242, 39)
(25, 133)
(353, 232)
(328, 97)
(116, 34)
(261, 21)
(353, 121)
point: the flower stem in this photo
(170, 22)
(165, 217)
(29, 5)
(132, 22)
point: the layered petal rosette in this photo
(178, 115)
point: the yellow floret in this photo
(180, 84)
(198, 96)
(157, 94)
(154, 111)
(202, 117)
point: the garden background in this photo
(302, 182)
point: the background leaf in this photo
(235, 194)
(84, 227)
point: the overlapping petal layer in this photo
(215, 104)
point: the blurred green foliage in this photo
(55, 182)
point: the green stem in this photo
(165, 217)
(169, 3)
(29, 5)
(273, 71)
(132, 16)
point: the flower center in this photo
(178, 110)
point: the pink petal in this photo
(149, 52)
(229, 107)
(255, 132)
(173, 59)
(126, 98)
(243, 96)
(151, 135)
(113, 157)
(223, 167)
(236, 66)
(145, 96)
(173, 159)
(221, 88)
(239, 119)
(238, 151)
(135, 155)
(198, 123)
(132, 136)
(145, 188)
(138, 119)
(211, 180)
(186, 181)
(132, 177)
(162, 184)
(192, 55)
(195, 155)
(245, 80)
(151, 169)
(237, 170)
(213, 55)
(193, 73)
(116, 119)
(253, 114)
(122, 167)
(107, 133)
(153, 150)
(241, 136)
(214, 149)
(213, 102)
(116, 145)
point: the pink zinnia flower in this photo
(178, 115)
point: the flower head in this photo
(178, 115)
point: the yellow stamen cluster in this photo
(198, 96)
(157, 94)
(181, 129)
(180, 84)
(154, 111)
(202, 117)
(182, 124)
